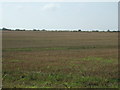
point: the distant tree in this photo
(74, 31)
(108, 30)
(17, 29)
(95, 30)
(43, 30)
(34, 30)
(6, 29)
(79, 30)
(114, 31)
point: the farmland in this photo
(34, 59)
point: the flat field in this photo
(34, 59)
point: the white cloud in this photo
(50, 7)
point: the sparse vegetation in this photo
(60, 59)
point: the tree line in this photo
(79, 30)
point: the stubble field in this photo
(34, 59)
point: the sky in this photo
(60, 15)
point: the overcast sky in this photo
(60, 15)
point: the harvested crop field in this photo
(36, 59)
